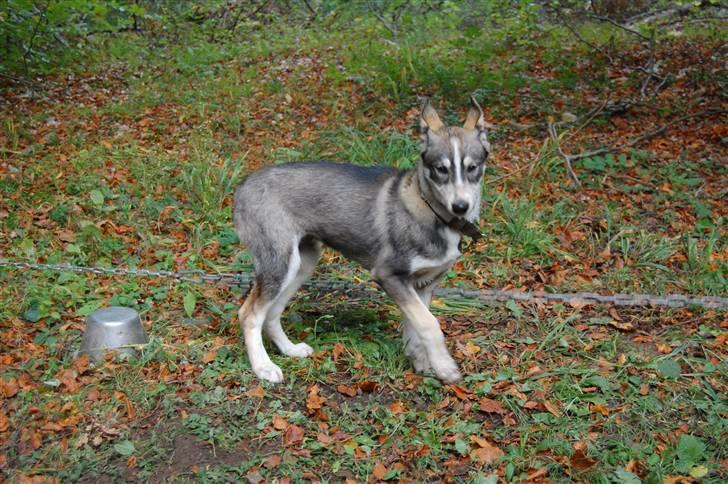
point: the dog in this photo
(404, 226)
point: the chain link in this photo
(243, 279)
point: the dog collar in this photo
(458, 224)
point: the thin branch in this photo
(620, 26)
(643, 137)
(567, 158)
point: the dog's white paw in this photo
(447, 371)
(300, 350)
(421, 363)
(269, 372)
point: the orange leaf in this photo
(492, 406)
(4, 422)
(397, 407)
(279, 423)
(580, 461)
(488, 454)
(336, 352)
(293, 435)
(598, 408)
(209, 356)
(8, 388)
(346, 390)
(553, 409)
(367, 386)
(461, 393)
(257, 392)
(273, 461)
(379, 471)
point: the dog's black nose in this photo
(459, 208)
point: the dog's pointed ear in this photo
(476, 121)
(429, 120)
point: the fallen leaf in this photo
(8, 388)
(367, 386)
(487, 454)
(349, 391)
(279, 423)
(293, 435)
(336, 352)
(273, 461)
(257, 392)
(397, 407)
(4, 422)
(580, 461)
(598, 408)
(552, 409)
(379, 471)
(460, 392)
(209, 356)
(491, 406)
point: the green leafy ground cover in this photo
(129, 158)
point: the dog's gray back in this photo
(331, 202)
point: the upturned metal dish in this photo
(115, 328)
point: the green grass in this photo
(142, 176)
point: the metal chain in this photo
(496, 295)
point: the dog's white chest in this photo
(426, 269)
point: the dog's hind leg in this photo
(310, 251)
(272, 276)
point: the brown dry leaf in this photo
(8, 388)
(23, 479)
(580, 461)
(379, 471)
(346, 390)
(257, 392)
(461, 393)
(273, 461)
(534, 370)
(4, 422)
(532, 476)
(644, 389)
(471, 349)
(336, 352)
(664, 349)
(209, 356)
(487, 454)
(69, 378)
(621, 326)
(293, 435)
(614, 314)
(279, 423)
(491, 406)
(552, 409)
(677, 480)
(599, 408)
(131, 462)
(367, 386)
(397, 407)
(314, 401)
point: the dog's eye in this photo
(472, 168)
(442, 170)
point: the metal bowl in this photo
(116, 328)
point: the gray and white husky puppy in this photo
(403, 226)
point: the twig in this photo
(591, 45)
(620, 26)
(650, 134)
(567, 158)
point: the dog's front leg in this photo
(425, 327)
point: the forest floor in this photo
(131, 158)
